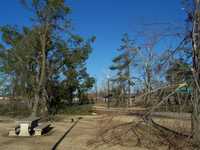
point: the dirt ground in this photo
(79, 138)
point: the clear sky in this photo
(107, 20)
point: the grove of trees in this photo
(45, 62)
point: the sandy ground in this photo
(77, 139)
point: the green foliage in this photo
(178, 72)
(46, 61)
(122, 66)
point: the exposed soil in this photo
(82, 137)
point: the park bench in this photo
(14, 131)
(41, 128)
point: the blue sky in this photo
(107, 20)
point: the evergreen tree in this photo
(122, 65)
(41, 58)
(178, 72)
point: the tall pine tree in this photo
(122, 65)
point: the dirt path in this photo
(83, 132)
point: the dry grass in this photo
(113, 130)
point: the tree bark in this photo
(195, 121)
(129, 87)
(36, 104)
(41, 83)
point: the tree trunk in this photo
(41, 81)
(44, 102)
(36, 104)
(196, 72)
(196, 121)
(129, 87)
(43, 66)
(148, 85)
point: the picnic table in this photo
(30, 126)
(27, 125)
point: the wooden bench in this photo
(40, 128)
(14, 131)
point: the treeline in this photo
(140, 68)
(158, 55)
(45, 63)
